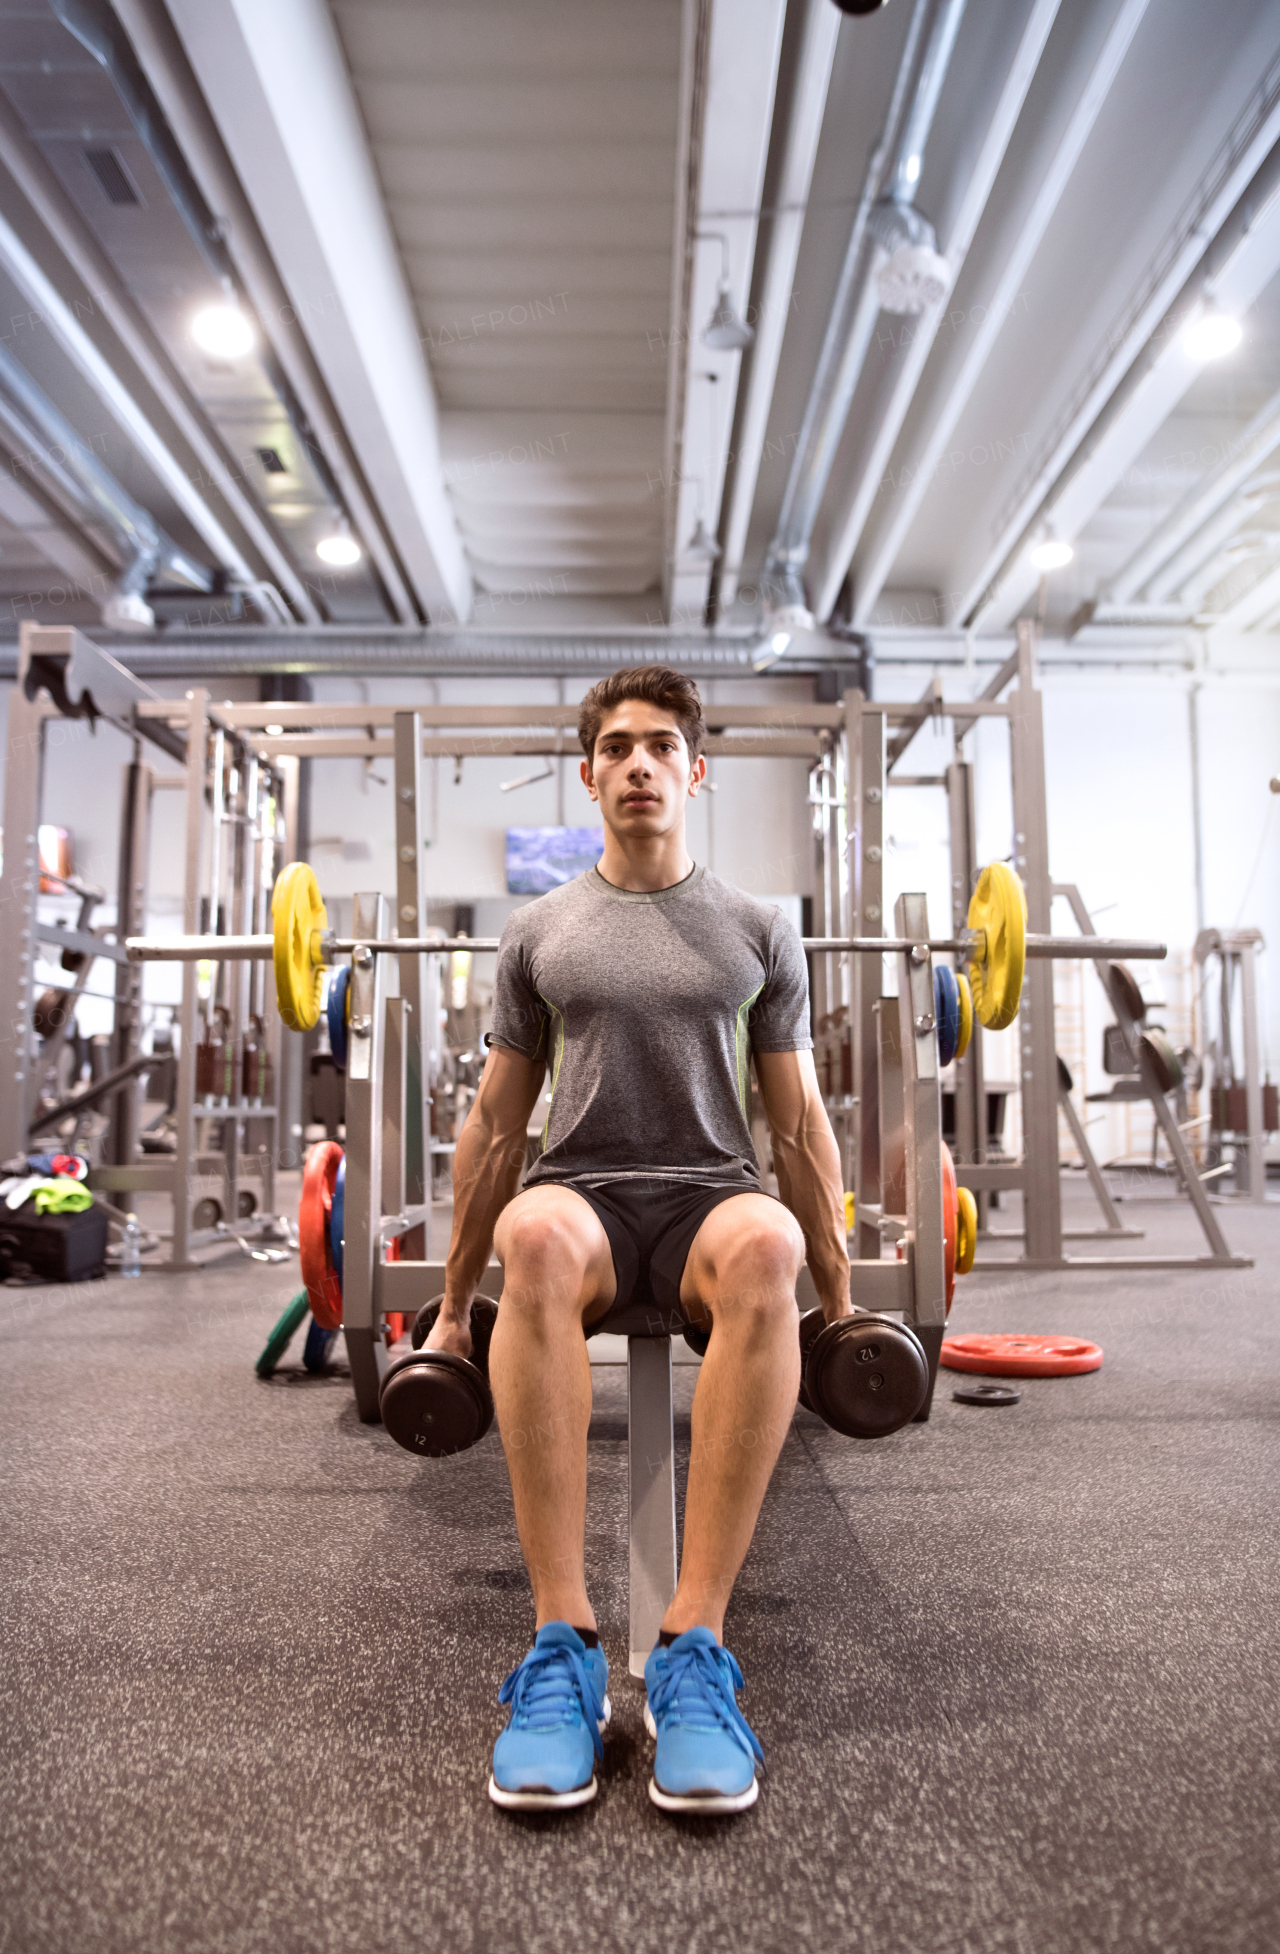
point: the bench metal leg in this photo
(651, 1458)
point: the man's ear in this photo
(588, 780)
(697, 774)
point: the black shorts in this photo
(651, 1225)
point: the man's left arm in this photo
(806, 1161)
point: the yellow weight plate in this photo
(999, 910)
(966, 1230)
(848, 1213)
(298, 916)
(966, 1014)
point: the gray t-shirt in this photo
(646, 1007)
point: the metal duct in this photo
(95, 26)
(44, 433)
(886, 223)
(394, 652)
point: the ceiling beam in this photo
(724, 181)
(277, 85)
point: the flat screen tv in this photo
(539, 859)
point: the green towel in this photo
(62, 1196)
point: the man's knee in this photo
(756, 1276)
(542, 1262)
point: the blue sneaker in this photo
(545, 1758)
(707, 1751)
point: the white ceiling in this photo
(496, 227)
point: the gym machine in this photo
(1243, 1107)
(240, 814)
(851, 856)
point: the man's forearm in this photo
(807, 1165)
(486, 1173)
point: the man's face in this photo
(640, 772)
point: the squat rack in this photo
(877, 735)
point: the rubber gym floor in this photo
(1015, 1671)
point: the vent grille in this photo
(271, 461)
(114, 181)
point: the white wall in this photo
(1118, 762)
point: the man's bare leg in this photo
(557, 1272)
(742, 1268)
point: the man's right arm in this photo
(486, 1173)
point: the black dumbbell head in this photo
(435, 1404)
(484, 1315)
(865, 1376)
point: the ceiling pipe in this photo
(119, 38)
(90, 263)
(849, 520)
(888, 192)
(784, 226)
(1150, 571)
(1210, 540)
(48, 302)
(391, 651)
(44, 434)
(963, 366)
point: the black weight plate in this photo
(812, 1324)
(1127, 985)
(1065, 1080)
(435, 1404)
(484, 1316)
(986, 1394)
(1164, 1060)
(866, 1376)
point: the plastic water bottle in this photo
(131, 1248)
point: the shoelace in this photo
(549, 1688)
(696, 1685)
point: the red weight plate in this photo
(324, 1292)
(1019, 1356)
(950, 1208)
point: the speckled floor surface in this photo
(1017, 1673)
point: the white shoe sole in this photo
(541, 1801)
(549, 1801)
(700, 1801)
(707, 1802)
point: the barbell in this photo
(995, 945)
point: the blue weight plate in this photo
(336, 1213)
(336, 1012)
(320, 1342)
(946, 1009)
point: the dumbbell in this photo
(434, 1403)
(864, 1375)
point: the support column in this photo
(652, 1491)
(410, 921)
(1041, 1189)
(864, 734)
(131, 902)
(922, 1132)
(362, 1212)
(197, 731)
(970, 1087)
(19, 890)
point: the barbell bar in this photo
(970, 944)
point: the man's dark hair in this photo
(658, 685)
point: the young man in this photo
(645, 987)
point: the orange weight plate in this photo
(1021, 1356)
(315, 1252)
